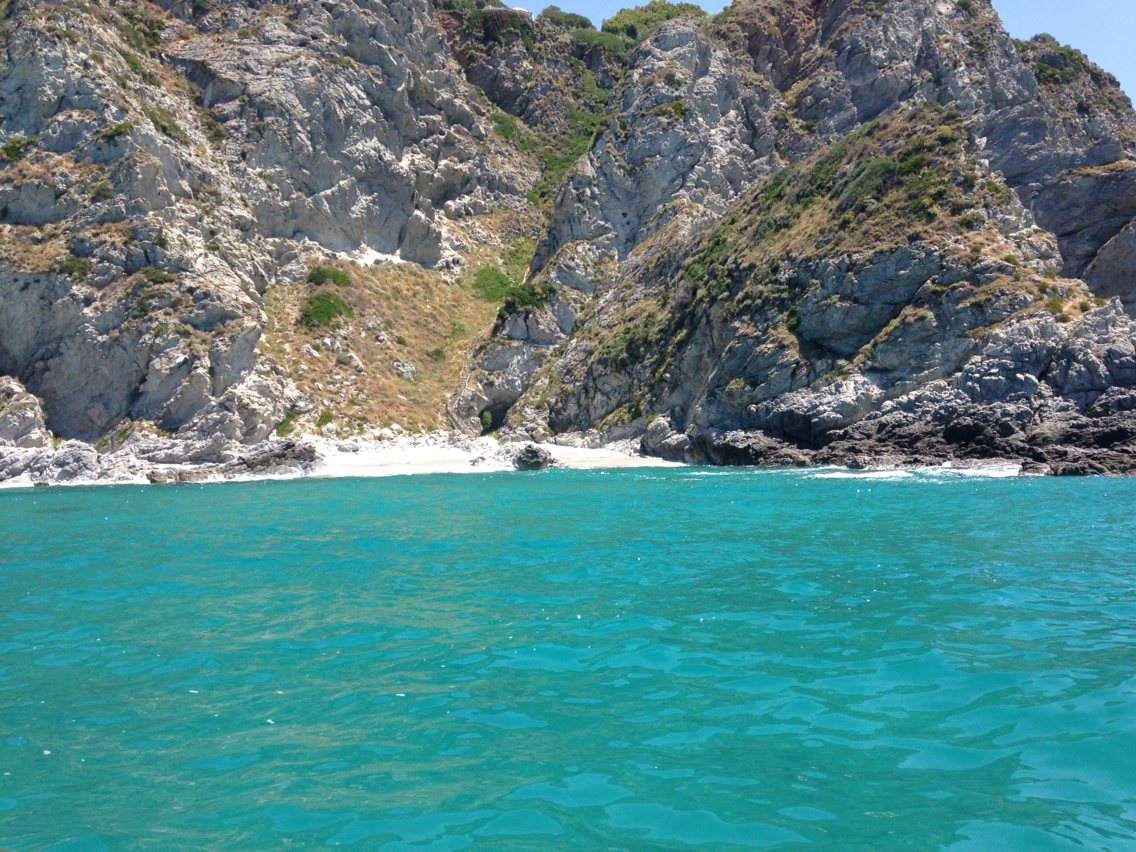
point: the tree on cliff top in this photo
(638, 22)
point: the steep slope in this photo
(165, 169)
(801, 231)
(889, 301)
(1056, 126)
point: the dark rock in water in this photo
(533, 457)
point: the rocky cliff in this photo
(796, 232)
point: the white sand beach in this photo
(413, 456)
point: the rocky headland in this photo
(799, 232)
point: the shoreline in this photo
(407, 455)
(481, 455)
(404, 455)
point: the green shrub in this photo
(157, 276)
(214, 130)
(160, 241)
(493, 285)
(324, 419)
(132, 62)
(873, 180)
(1055, 77)
(212, 245)
(570, 20)
(468, 5)
(486, 421)
(286, 425)
(323, 309)
(101, 192)
(243, 33)
(17, 146)
(508, 128)
(323, 274)
(971, 221)
(144, 33)
(77, 267)
(163, 120)
(492, 24)
(120, 129)
(608, 41)
(437, 355)
(637, 23)
(965, 6)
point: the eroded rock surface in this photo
(793, 233)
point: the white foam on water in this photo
(875, 475)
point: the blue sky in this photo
(1103, 29)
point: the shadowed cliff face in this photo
(783, 224)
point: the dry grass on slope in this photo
(911, 179)
(393, 313)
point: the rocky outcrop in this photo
(168, 169)
(532, 457)
(694, 131)
(796, 232)
(21, 417)
(765, 343)
(140, 456)
(1056, 126)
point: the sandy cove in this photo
(409, 455)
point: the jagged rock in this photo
(532, 457)
(21, 418)
(276, 454)
(715, 277)
(693, 138)
(405, 369)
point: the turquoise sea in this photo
(640, 660)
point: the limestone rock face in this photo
(795, 232)
(694, 132)
(21, 418)
(1072, 165)
(172, 169)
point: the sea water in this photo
(649, 659)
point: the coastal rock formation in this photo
(164, 170)
(888, 301)
(532, 457)
(831, 232)
(21, 417)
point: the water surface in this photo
(671, 659)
